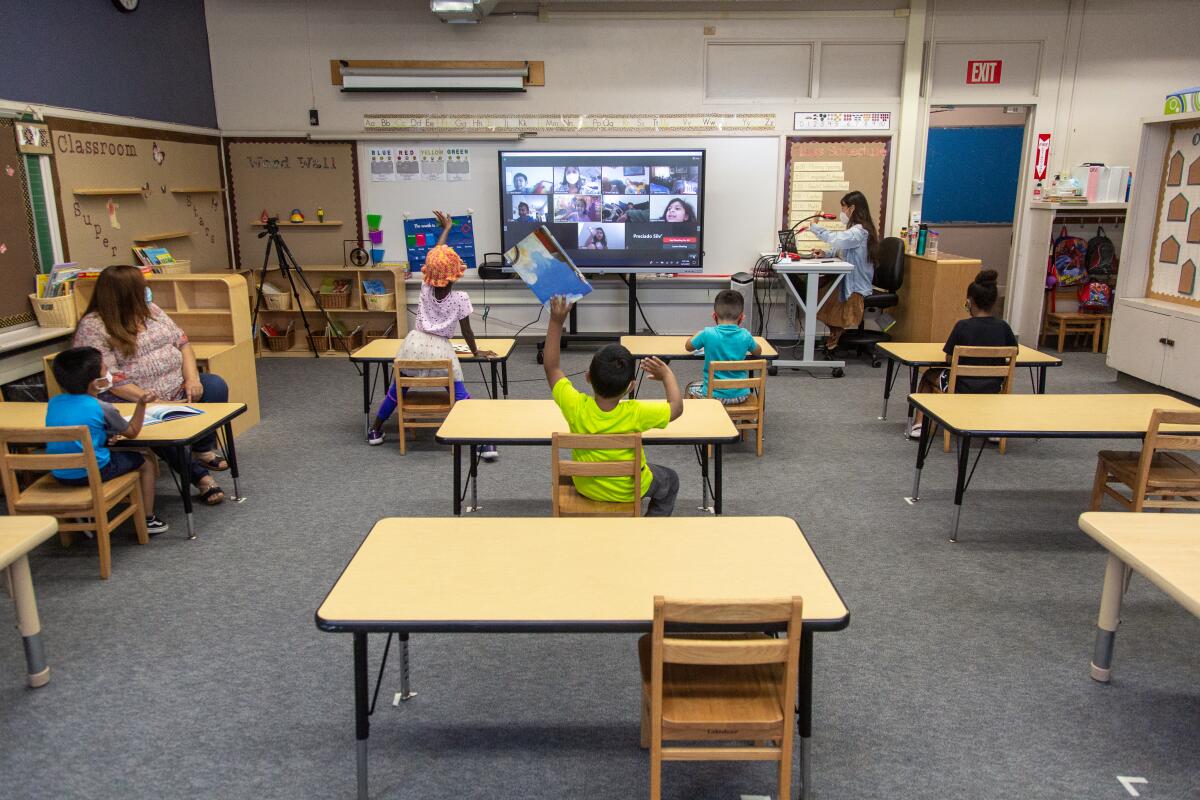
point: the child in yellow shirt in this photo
(611, 377)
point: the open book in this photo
(165, 413)
(546, 268)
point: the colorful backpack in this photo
(1095, 297)
(1101, 256)
(1068, 261)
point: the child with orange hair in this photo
(440, 310)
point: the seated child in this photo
(80, 374)
(611, 376)
(440, 310)
(725, 341)
(980, 329)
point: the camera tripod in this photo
(290, 269)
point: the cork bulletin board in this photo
(18, 240)
(119, 185)
(1175, 253)
(819, 170)
(279, 175)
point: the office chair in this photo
(889, 276)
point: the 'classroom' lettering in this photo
(66, 143)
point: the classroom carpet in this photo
(196, 671)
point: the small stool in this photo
(1075, 323)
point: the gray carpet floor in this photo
(197, 671)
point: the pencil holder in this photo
(376, 237)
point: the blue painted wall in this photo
(971, 174)
(86, 54)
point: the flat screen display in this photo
(611, 210)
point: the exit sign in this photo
(984, 71)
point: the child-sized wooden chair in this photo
(731, 687)
(1159, 476)
(428, 406)
(77, 508)
(750, 415)
(567, 500)
(960, 370)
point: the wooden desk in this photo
(19, 535)
(1031, 416)
(922, 355)
(383, 352)
(534, 422)
(546, 575)
(1165, 548)
(178, 434)
(671, 347)
(931, 297)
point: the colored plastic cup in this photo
(373, 221)
(376, 254)
(376, 236)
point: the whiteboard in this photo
(741, 194)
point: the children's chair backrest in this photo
(14, 459)
(755, 380)
(568, 468)
(1187, 439)
(441, 379)
(1004, 370)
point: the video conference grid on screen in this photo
(615, 208)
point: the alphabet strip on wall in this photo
(570, 123)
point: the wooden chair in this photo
(750, 415)
(77, 508)
(959, 370)
(731, 687)
(1155, 476)
(427, 407)
(568, 502)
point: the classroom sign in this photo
(421, 235)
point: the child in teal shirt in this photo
(725, 341)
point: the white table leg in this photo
(28, 623)
(1110, 618)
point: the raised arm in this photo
(559, 310)
(657, 370)
(446, 222)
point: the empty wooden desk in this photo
(178, 434)
(923, 355)
(672, 347)
(383, 352)
(546, 575)
(19, 535)
(1031, 416)
(506, 423)
(1164, 548)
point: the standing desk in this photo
(178, 434)
(921, 355)
(811, 303)
(1030, 416)
(383, 352)
(506, 423)
(1165, 548)
(579, 575)
(18, 536)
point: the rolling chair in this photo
(889, 276)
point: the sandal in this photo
(212, 496)
(214, 463)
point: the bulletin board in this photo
(421, 235)
(971, 174)
(1175, 257)
(279, 175)
(818, 171)
(18, 238)
(119, 185)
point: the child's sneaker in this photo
(489, 453)
(374, 437)
(155, 526)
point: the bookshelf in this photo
(357, 313)
(103, 192)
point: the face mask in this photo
(842, 218)
(149, 295)
(572, 177)
(103, 384)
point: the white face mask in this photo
(103, 384)
(842, 218)
(149, 295)
(572, 177)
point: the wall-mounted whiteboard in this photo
(741, 193)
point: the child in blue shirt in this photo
(725, 341)
(79, 372)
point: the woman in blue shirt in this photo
(858, 245)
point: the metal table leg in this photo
(1041, 380)
(457, 487)
(717, 493)
(366, 391)
(28, 622)
(960, 485)
(887, 386)
(804, 712)
(495, 380)
(913, 374)
(504, 377)
(922, 451)
(702, 453)
(362, 722)
(231, 453)
(473, 479)
(183, 457)
(1110, 618)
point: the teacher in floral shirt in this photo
(146, 351)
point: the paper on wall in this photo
(383, 164)
(458, 164)
(815, 166)
(433, 163)
(827, 186)
(801, 179)
(408, 168)
(799, 196)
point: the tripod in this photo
(287, 266)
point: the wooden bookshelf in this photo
(100, 192)
(159, 237)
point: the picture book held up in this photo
(546, 268)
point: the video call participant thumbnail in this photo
(576, 180)
(664, 208)
(601, 237)
(576, 208)
(528, 180)
(626, 208)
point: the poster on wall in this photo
(458, 164)
(819, 171)
(433, 163)
(408, 168)
(1175, 256)
(421, 235)
(383, 164)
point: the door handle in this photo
(1162, 340)
(1170, 342)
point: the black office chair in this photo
(889, 275)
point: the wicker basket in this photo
(380, 302)
(321, 342)
(351, 341)
(335, 300)
(277, 302)
(54, 312)
(285, 341)
(175, 268)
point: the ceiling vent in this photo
(470, 12)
